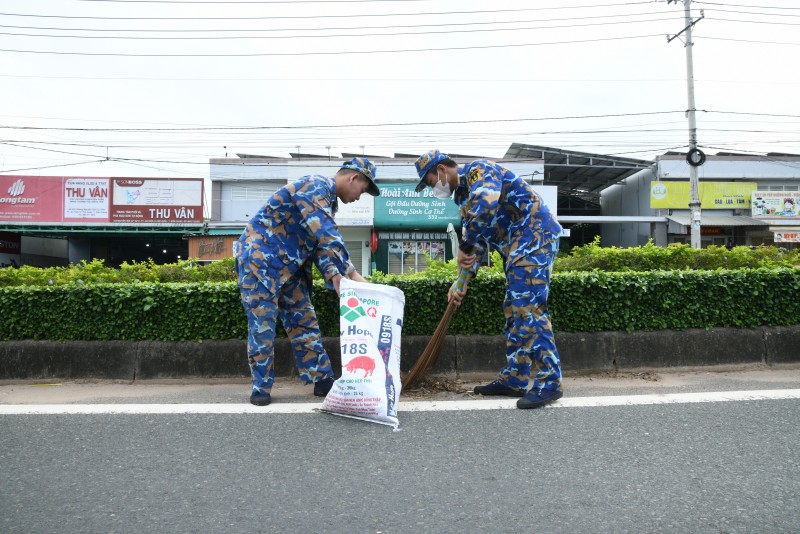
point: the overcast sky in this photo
(158, 87)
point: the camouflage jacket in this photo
(501, 209)
(294, 226)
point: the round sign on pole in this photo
(695, 157)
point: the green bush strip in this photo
(579, 302)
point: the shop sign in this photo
(787, 237)
(399, 206)
(358, 213)
(9, 250)
(776, 204)
(713, 195)
(710, 230)
(157, 200)
(419, 236)
(209, 248)
(56, 199)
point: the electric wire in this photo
(206, 128)
(329, 53)
(337, 28)
(389, 34)
(305, 17)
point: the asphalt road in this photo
(684, 467)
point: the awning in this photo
(717, 220)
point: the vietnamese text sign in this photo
(399, 206)
(787, 237)
(776, 204)
(58, 199)
(358, 213)
(713, 195)
(85, 198)
(154, 200)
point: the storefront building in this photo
(54, 220)
(393, 233)
(745, 200)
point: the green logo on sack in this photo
(352, 310)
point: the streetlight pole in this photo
(694, 157)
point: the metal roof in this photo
(579, 176)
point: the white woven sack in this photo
(370, 323)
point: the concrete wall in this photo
(580, 353)
(630, 198)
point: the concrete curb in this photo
(580, 352)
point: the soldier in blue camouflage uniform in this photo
(274, 259)
(502, 210)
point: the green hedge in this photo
(590, 257)
(579, 301)
(650, 257)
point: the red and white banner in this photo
(54, 199)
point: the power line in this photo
(722, 10)
(334, 28)
(756, 21)
(330, 53)
(51, 166)
(748, 113)
(741, 5)
(382, 34)
(749, 41)
(248, 1)
(307, 17)
(223, 128)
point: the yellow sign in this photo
(713, 195)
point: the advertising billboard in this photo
(776, 205)
(86, 200)
(713, 195)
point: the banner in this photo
(787, 237)
(776, 204)
(713, 195)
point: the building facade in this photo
(393, 233)
(745, 200)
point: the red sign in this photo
(25, 199)
(9, 243)
(55, 199)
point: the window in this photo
(356, 254)
(409, 256)
(254, 192)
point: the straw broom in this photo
(434, 347)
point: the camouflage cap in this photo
(425, 163)
(367, 168)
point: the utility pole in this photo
(695, 157)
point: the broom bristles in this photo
(432, 350)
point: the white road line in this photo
(407, 406)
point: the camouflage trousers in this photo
(292, 304)
(529, 334)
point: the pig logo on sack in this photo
(352, 310)
(365, 363)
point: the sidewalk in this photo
(290, 390)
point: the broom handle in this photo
(462, 279)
